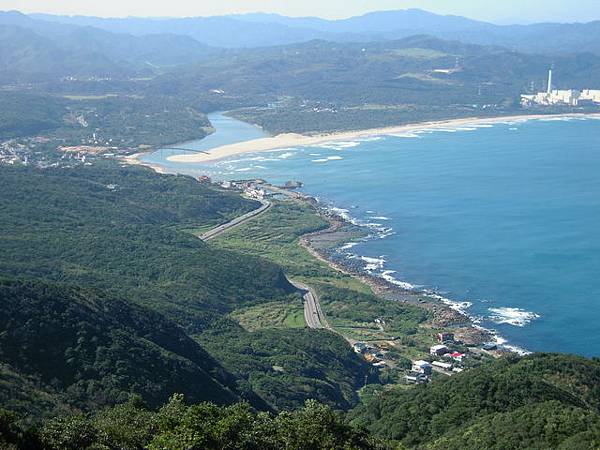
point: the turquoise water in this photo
(504, 217)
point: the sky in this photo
(498, 11)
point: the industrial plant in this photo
(569, 97)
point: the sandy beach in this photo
(298, 140)
(136, 160)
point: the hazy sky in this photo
(491, 10)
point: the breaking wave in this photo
(512, 316)
(329, 158)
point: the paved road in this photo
(313, 315)
(211, 234)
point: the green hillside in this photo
(549, 398)
(132, 426)
(96, 350)
(125, 232)
(559, 412)
(29, 114)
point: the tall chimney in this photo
(550, 81)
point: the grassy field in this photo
(271, 315)
(274, 235)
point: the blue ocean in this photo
(503, 220)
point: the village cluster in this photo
(444, 358)
(41, 151)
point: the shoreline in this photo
(382, 287)
(135, 160)
(443, 314)
(290, 140)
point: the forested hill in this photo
(540, 401)
(111, 254)
(117, 229)
(88, 350)
(32, 49)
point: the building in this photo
(568, 97)
(445, 337)
(416, 378)
(360, 347)
(457, 356)
(438, 350)
(442, 365)
(590, 95)
(423, 367)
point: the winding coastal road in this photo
(313, 315)
(217, 231)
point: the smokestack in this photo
(550, 81)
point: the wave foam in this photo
(371, 139)
(339, 145)
(557, 119)
(329, 158)
(380, 218)
(348, 246)
(501, 342)
(512, 316)
(387, 275)
(406, 135)
(461, 307)
(373, 264)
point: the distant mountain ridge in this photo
(30, 48)
(50, 47)
(261, 29)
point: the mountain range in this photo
(43, 46)
(260, 29)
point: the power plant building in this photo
(569, 97)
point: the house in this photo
(442, 365)
(490, 346)
(360, 347)
(423, 367)
(416, 378)
(370, 357)
(438, 350)
(457, 356)
(445, 337)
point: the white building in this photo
(569, 97)
(438, 350)
(591, 95)
(442, 365)
(422, 367)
